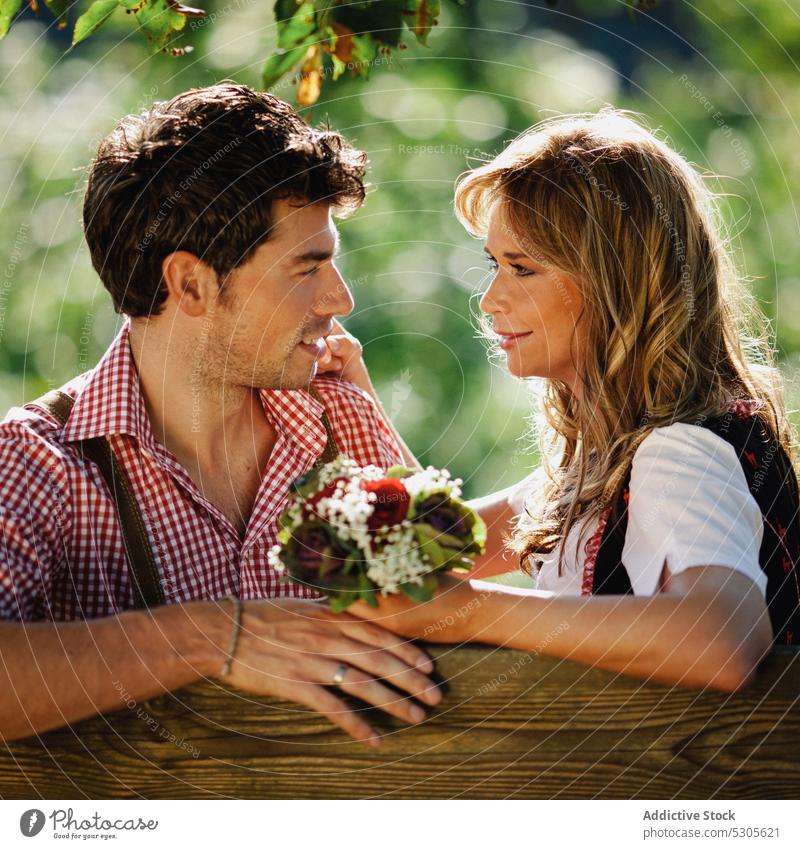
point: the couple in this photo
(666, 447)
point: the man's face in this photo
(272, 313)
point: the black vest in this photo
(773, 484)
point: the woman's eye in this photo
(521, 271)
(492, 263)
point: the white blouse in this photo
(689, 505)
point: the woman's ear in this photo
(192, 285)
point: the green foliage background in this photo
(720, 80)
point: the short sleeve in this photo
(33, 518)
(690, 505)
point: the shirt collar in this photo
(296, 413)
(111, 402)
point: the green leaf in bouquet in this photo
(429, 547)
(478, 528)
(285, 520)
(424, 531)
(367, 589)
(398, 472)
(420, 592)
(461, 564)
(342, 600)
(307, 484)
(354, 562)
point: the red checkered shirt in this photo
(62, 554)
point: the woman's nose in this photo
(488, 302)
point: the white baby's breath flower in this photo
(432, 480)
(398, 561)
(274, 560)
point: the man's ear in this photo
(192, 285)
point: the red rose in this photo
(326, 492)
(391, 504)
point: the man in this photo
(209, 221)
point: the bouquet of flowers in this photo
(352, 531)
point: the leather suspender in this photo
(142, 566)
(331, 450)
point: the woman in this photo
(666, 449)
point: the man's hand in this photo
(292, 649)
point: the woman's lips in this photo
(509, 340)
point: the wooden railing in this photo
(511, 725)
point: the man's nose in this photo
(337, 300)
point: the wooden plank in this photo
(512, 725)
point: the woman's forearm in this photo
(499, 519)
(712, 635)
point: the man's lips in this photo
(316, 341)
(508, 340)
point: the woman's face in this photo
(535, 308)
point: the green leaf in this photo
(365, 49)
(160, 23)
(367, 590)
(92, 19)
(398, 472)
(341, 601)
(424, 531)
(298, 28)
(339, 67)
(280, 63)
(419, 592)
(8, 11)
(479, 533)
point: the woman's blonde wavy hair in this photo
(673, 334)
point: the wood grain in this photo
(511, 726)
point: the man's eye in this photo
(521, 271)
(309, 271)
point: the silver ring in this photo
(338, 678)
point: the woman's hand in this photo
(443, 619)
(343, 359)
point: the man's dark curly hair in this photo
(199, 173)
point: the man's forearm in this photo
(52, 674)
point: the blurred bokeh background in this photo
(719, 79)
